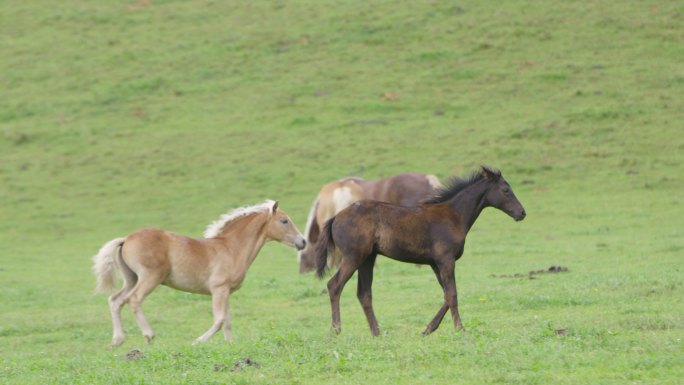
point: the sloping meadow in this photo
(123, 115)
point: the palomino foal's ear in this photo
(274, 208)
(490, 173)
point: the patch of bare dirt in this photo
(244, 363)
(534, 273)
(134, 355)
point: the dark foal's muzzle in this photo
(520, 215)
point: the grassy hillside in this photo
(120, 115)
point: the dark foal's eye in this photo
(506, 190)
(284, 221)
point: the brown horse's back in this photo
(406, 189)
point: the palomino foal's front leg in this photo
(219, 303)
(227, 333)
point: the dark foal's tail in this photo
(324, 246)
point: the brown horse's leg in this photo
(219, 304)
(364, 293)
(335, 286)
(437, 320)
(450, 294)
(147, 281)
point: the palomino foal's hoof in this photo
(115, 343)
(148, 339)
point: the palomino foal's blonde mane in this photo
(215, 228)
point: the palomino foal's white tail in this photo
(104, 266)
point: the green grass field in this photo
(120, 115)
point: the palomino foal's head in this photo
(501, 196)
(280, 228)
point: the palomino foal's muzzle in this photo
(300, 243)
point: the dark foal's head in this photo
(500, 195)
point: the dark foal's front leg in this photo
(364, 292)
(437, 320)
(445, 276)
(451, 296)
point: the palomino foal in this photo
(214, 265)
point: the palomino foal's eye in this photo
(284, 221)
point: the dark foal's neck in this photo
(470, 202)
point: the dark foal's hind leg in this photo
(364, 292)
(437, 320)
(335, 286)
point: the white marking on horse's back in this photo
(434, 182)
(215, 227)
(342, 197)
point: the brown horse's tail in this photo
(306, 264)
(104, 266)
(323, 247)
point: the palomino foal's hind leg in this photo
(219, 304)
(147, 282)
(116, 302)
(364, 292)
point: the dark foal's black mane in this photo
(457, 184)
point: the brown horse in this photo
(432, 233)
(214, 265)
(406, 189)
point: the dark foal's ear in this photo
(490, 173)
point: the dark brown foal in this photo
(432, 233)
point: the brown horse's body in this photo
(214, 265)
(407, 189)
(432, 233)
